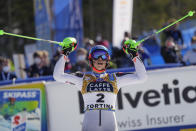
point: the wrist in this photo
(66, 58)
(134, 58)
(133, 54)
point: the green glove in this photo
(130, 47)
(69, 44)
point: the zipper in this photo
(99, 117)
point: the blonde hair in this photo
(82, 50)
(193, 39)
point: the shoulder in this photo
(0, 75)
(33, 66)
(119, 74)
(12, 75)
(78, 74)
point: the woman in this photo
(99, 89)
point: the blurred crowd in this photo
(6, 70)
(172, 45)
(169, 44)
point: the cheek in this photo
(104, 62)
(94, 63)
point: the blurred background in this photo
(30, 99)
(93, 22)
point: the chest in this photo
(104, 84)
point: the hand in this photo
(66, 51)
(69, 44)
(130, 47)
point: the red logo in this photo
(16, 120)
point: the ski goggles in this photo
(100, 53)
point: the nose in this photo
(100, 58)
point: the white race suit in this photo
(99, 92)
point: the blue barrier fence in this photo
(50, 78)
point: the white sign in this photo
(18, 122)
(63, 107)
(29, 51)
(19, 64)
(167, 99)
(122, 20)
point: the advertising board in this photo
(23, 108)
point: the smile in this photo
(100, 63)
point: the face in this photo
(6, 66)
(81, 57)
(100, 58)
(99, 64)
(37, 60)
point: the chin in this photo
(101, 68)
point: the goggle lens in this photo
(100, 53)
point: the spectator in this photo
(169, 51)
(190, 56)
(45, 62)
(81, 61)
(37, 69)
(88, 44)
(174, 33)
(120, 58)
(118, 55)
(127, 36)
(5, 73)
(45, 58)
(98, 39)
(101, 41)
